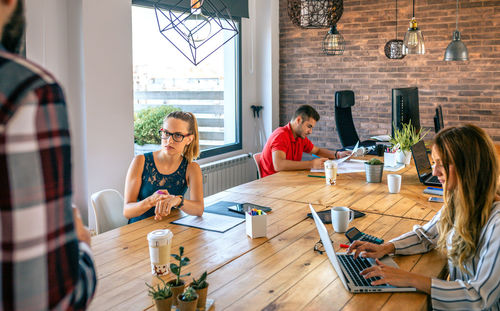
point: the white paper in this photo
(349, 156)
(351, 166)
(381, 137)
(394, 168)
(209, 221)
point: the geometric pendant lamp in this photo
(196, 31)
(456, 50)
(394, 48)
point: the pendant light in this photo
(394, 48)
(414, 40)
(333, 43)
(456, 50)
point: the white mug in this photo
(394, 183)
(341, 217)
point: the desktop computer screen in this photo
(405, 107)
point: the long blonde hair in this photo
(467, 207)
(191, 151)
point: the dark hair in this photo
(14, 31)
(306, 112)
(191, 151)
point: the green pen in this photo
(318, 176)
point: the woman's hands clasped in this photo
(164, 202)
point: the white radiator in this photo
(223, 174)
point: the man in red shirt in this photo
(283, 150)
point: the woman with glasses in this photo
(466, 229)
(157, 181)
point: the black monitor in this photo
(405, 107)
(438, 119)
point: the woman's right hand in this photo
(157, 196)
(370, 250)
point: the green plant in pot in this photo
(201, 287)
(404, 139)
(188, 300)
(374, 169)
(161, 294)
(177, 284)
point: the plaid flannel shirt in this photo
(43, 266)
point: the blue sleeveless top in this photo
(152, 181)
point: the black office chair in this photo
(344, 100)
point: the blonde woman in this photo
(467, 228)
(157, 181)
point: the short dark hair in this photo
(306, 112)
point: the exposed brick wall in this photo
(468, 91)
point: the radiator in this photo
(223, 174)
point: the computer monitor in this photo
(405, 107)
(438, 119)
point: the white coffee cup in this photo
(341, 217)
(330, 172)
(159, 250)
(394, 183)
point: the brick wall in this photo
(468, 91)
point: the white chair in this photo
(108, 210)
(256, 159)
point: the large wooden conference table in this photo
(281, 271)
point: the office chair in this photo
(344, 100)
(108, 210)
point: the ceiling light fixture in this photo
(456, 50)
(394, 48)
(413, 42)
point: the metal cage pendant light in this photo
(456, 50)
(198, 31)
(333, 43)
(315, 13)
(413, 42)
(393, 49)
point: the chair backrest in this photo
(344, 100)
(108, 210)
(256, 159)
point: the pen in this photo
(318, 176)
(344, 245)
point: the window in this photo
(211, 90)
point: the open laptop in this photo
(348, 268)
(424, 168)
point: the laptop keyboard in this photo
(433, 179)
(354, 267)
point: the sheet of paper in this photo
(381, 137)
(349, 156)
(209, 221)
(351, 167)
(394, 168)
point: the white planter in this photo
(403, 157)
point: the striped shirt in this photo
(42, 264)
(479, 290)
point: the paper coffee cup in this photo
(160, 242)
(330, 172)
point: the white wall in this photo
(87, 44)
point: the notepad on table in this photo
(210, 222)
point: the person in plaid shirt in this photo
(45, 257)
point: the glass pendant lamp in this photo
(456, 50)
(413, 42)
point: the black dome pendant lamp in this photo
(394, 48)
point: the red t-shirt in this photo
(282, 139)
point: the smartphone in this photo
(241, 208)
(436, 199)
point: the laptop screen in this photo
(421, 159)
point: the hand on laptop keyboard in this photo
(367, 249)
(394, 276)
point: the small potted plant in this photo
(188, 300)
(162, 295)
(374, 169)
(201, 287)
(403, 139)
(177, 284)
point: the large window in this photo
(211, 90)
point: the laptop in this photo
(348, 268)
(424, 168)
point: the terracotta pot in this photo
(202, 297)
(186, 305)
(164, 304)
(176, 290)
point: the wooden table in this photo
(278, 272)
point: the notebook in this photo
(424, 168)
(348, 268)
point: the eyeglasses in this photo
(319, 247)
(178, 137)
